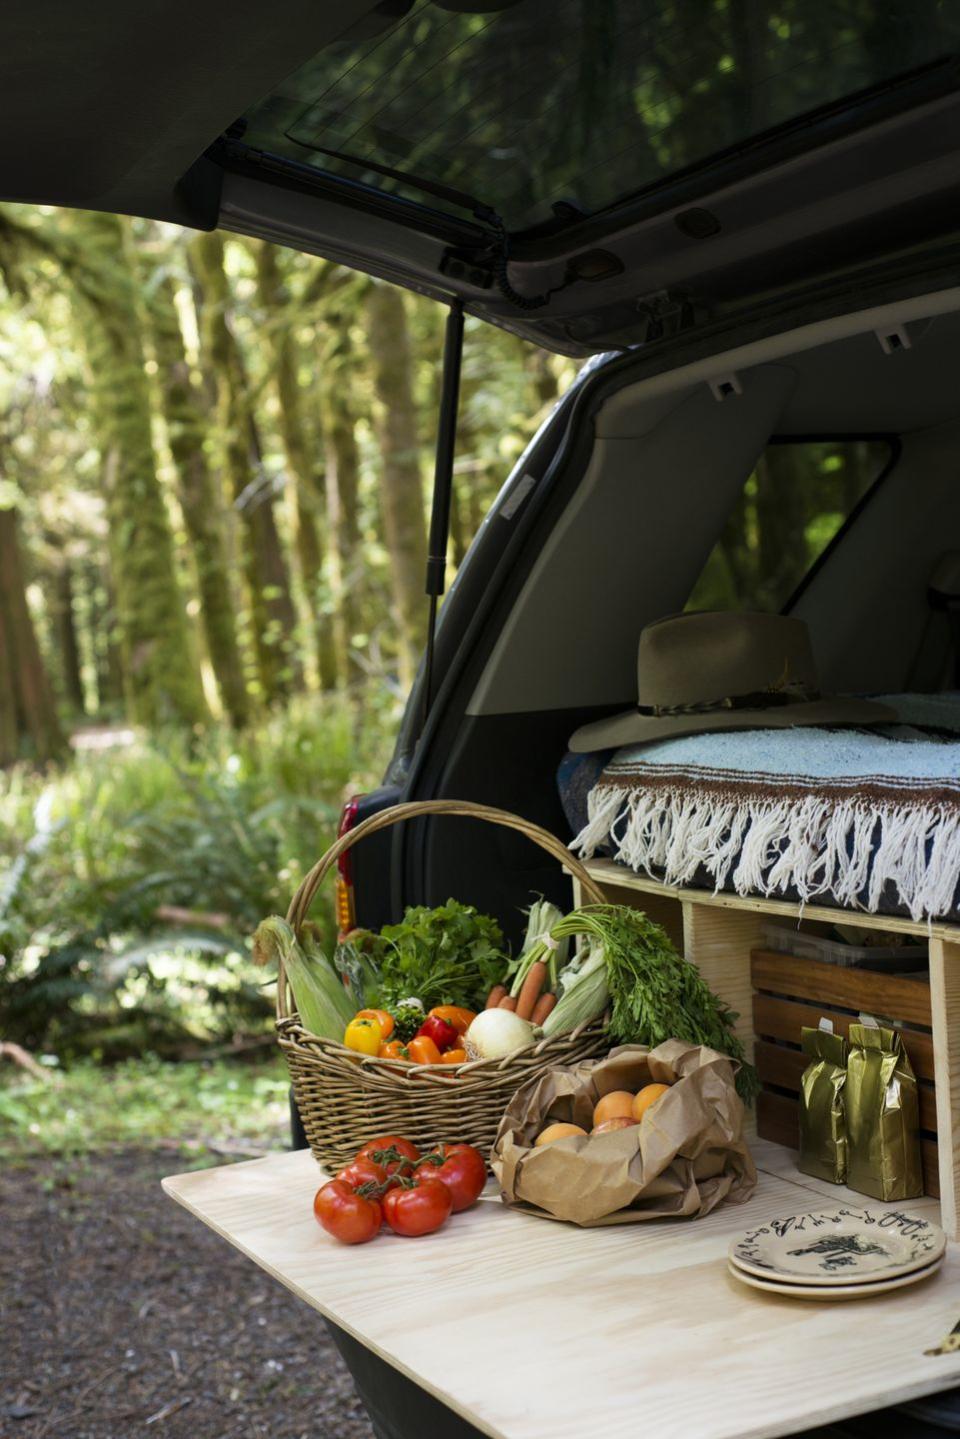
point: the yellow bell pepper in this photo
(363, 1035)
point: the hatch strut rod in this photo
(442, 487)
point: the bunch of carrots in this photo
(531, 984)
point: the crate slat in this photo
(784, 1018)
(907, 1000)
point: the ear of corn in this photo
(324, 1006)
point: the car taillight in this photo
(346, 909)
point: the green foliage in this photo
(223, 827)
(144, 1102)
(789, 510)
(447, 955)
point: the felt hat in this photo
(720, 670)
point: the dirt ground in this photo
(122, 1316)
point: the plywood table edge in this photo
(819, 1414)
(606, 871)
(168, 1186)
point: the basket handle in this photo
(418, 809)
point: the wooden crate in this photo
(719, 932)
(789, 993)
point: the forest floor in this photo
(121, 1313)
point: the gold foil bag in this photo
(823, 1135)
(883, 1116)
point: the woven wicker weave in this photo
(346, 1099)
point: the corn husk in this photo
(324, 1006)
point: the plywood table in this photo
(537, 1330)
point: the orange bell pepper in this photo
(422, 1050)
(379, 1016)
(454, 1056)
(394, 1050)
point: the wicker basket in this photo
(346, 1099)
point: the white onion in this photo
(496, 1032)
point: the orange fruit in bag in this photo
(616, 1105)
(646, 1097)
(558, 1131)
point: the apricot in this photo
(645, 1098)
(558, 1131)
(616, 1105)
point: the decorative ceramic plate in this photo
(835, 1291)
(838, 1246)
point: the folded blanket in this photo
(813, 812)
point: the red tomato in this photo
(417, 1206)
(462, 1170)
(349, 1217)
(401, 1162)
(362, 1171)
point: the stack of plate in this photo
(838, 1253)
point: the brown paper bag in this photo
(685, 1156)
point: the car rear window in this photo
(532, 104)
(792, 508)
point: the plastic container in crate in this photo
(900, 958)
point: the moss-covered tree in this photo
(342, 494)
(301, 450)
(272, 615)
(161, 677)
(401, 483)
(186, 417)
(28, 716)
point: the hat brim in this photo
(631, 727)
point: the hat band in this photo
(763, 699)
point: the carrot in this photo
(530, 989)
(497, 993)
(543, 1007)
(508, 1002)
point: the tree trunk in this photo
(9, 723)
(271, 606)
(161, 678)
(305, 465)
(401, 484)
(342, 482)
(67, 642)
(186, 416)
(28, 711)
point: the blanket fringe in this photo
(850, 849)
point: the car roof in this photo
(110, 104)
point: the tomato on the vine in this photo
(396, 1154)
(417, 1206)
(348, 1216)
(461, 1168)
(362, 1170)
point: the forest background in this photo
(214, 456)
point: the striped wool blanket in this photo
(850, 815)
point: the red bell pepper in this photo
(443, 1034)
